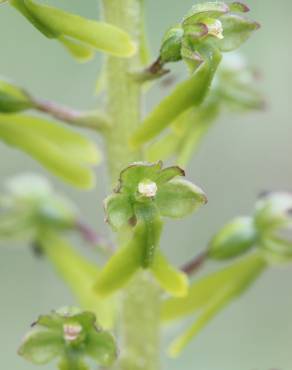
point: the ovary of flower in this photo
(71, 332)
(216, 29)
(147, 188)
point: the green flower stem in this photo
(91, 120)
(140, 307)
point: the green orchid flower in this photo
(30, 205)
(145, 194)
(71, 335)
(218, 24)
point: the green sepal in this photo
(171, 280)
(238, 7)
(64, 152)
(56, 23)
(179, 198)
(101, 347)
(41, 346)
(186, 94)
(13, 98)
(234, 239)
(209, 9)
(170, 50)
(212, 294)
(236, 30)
(136, 172)
(119, 211)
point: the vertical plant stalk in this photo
(140, 303)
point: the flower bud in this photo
(234, 239)
(273, 212)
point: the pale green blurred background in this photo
(241, 157)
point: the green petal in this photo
(168, 174)
(236, 30)
(101, 347)
(234, 239)
(179, 198)
(119, 211)
(186, 94)
(55, 23)
(170, 279)
(13, 98)
(41, 346)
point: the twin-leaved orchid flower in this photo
(70, 335)
(145, 194)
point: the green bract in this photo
(79, 35)
(145, 193)
(13, 99)
(71, 335)
(65, 152)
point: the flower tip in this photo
(241, 6)
(257, 25)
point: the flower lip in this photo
(215, 29)
(71, 332)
